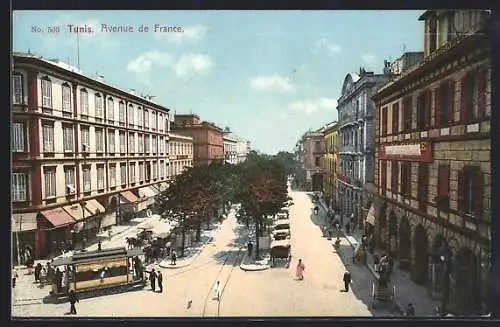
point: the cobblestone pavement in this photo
(276, 292)
(194, 283)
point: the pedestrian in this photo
(152, 278)
(250, 247)
(216, 290)
(347, 281)
(410, 310)
(347, 228)
(109, 235)
(99, 246)
(173, 258)
(65, 282)
(73, 298)
(14, 277)
(300, 270)
(38, 271)
(316, 208)
(160, 281)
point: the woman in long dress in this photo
(300, 270)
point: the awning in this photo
(94, 207)
(147, 192)
(370, 217)
(24, 222)
(58, 217)
(76, 211)
(108, 220)
(129, 196)
(156, 188)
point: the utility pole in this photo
(17, 240)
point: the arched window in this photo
(110, 108)
(99, 112)
(84, 102)
(66, 99)
(17, 88)
(121, 113)
(46, 92)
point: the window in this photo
(395, 118)
(49, 177)
(130, 115)
(406, 178)
(19, 187)
(99, 140)
(123, 174)
(317, 146)
(100, 177)
(146, 143)
(141, 171)
(111, 141)
(66, 99)
(69, 180)
(162, 169)
(99, 112)
(46, 93)
(48, 137)
(383, 174)
(17, 88)
(166, 124)
(131, 143)
(160, 121)
(154, 144)
(68, 136)
(432, 34)
(111, 110)
(423, 110)
(161, 145)
(84, 102)
(131, 173)
(384, 121)
(140, 143)
(123, 144)
(87, 182)
(148, 171)
(470, 191)
(155, 170)
(443, 104)
(317, 161)
(473, 96)
(121, 113)
(146, 118)
(394, 176)
(112, 175)
(18, 144)
(85, 132)
(153, 120)
(423, 186)
(139, 117)
(407, 114)
(443, 196)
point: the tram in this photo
(95, 270)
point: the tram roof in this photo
(89, 256)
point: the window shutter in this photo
(451, 103)
(444, 180)
(437, 106)
(461, 190)
(419, 113)
(394, 176)
(463, 99)
(428, 108)
(479, 193)
(481, 92)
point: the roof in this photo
(90, 256)
(69, 70)
(180, 137)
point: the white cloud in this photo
(314, 105)
(272, 82)
(327, 46)
(144, 62)
(193, 64)
(369, 59)
(190, 34)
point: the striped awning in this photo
(24, 222)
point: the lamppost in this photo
(445, 268)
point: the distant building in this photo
(405, 62)
(180, 153)
(230, 146)
(309, 152)
(86, 154)
(208, 141)
(330, 163)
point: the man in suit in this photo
(160, 281)
(347, 281)
(152, 278)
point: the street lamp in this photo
(445, 266)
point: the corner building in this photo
(86, 155)
(432, 210)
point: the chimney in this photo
(132, 91)
(100, 78)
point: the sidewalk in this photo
(406, 290)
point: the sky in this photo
(268, 75)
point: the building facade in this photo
(330, 164)
(208, 141)
(432, 209)
(230, 146)
(310, 156)
(242, 149)
(180, 153)
(356, 149)
(85, 153)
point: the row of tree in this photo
(258, 185)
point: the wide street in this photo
(188, 292)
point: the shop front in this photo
(54, 228)
(23, 232)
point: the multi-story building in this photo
(207, 138)
(330, 163)
(230, 145)
(433, 172)
(84, 152)
(180, 153)
(310, 151)
(242, 149)
(355, 114)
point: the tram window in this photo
(97, 274)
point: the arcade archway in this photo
(466, 278)
(404, 244)
(420, 267)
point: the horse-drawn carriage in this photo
(281, 234)
(383, 292)
(281, 251)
